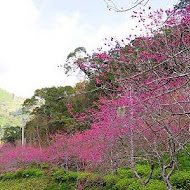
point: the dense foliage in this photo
(44, 177)
(50, 111)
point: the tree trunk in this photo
(168, 184)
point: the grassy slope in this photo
(35, 183)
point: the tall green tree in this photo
(52, 110)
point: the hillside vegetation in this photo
(10, 109)
(46, 177)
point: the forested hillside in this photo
(10, 109)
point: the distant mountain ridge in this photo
(10, 109)
(5, 96)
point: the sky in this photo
(37, 35)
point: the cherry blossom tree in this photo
(147, 87)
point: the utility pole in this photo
(23, 129)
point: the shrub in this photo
(136, 185)
(90, 180)
(184, 161)
(181, 180)
(123, 184)
(122, 178)
(143, 170)
(157, 174)
(58, 175)
(155, 185)
(63, 180)
(124, 173)
(71, 176)
(35, 183)
(29, 172)
(8, 176)
(152, 185)
(60, 186)
(44, 165)
(87, 176)
(121, 175)
(110, 181)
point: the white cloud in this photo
(30, 54)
